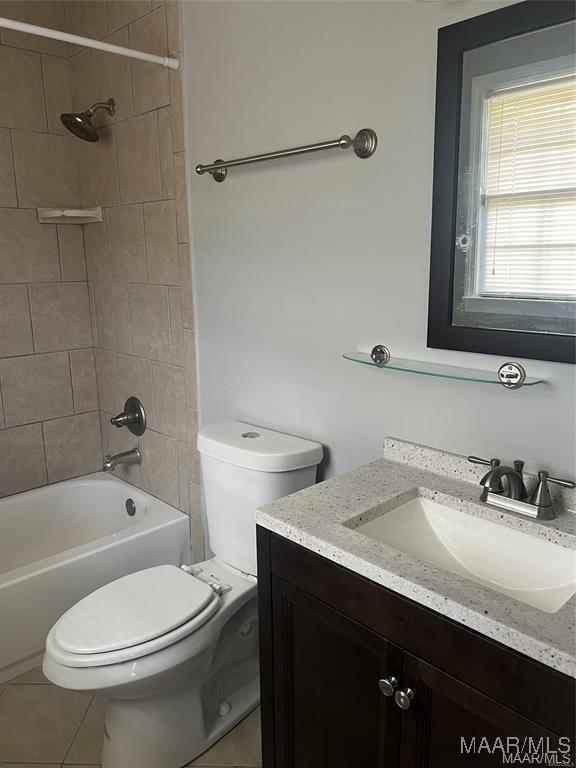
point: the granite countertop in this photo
(322, 519)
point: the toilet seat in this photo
(158, 607)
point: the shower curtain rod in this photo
(88, 42)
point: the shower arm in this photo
(109, 106)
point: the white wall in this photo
(299, 261)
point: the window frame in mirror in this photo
(453, 42)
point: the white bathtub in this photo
(61, 542)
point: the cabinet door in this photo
(329, 711)
(448, 724)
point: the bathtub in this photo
(61, 542)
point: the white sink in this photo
(534, 571)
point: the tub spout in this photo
(126, 457)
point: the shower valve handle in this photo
(133, 417)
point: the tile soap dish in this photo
(511, 375)
(69, 215)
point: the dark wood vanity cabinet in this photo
(329, 636)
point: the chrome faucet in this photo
(132, 456)
(514, 486)
(512, 494)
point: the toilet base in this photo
(173, 727)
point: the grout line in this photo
(59, 253)
(75, 734)
(31, 323)
(14, 167)
(71, 384)
(44, 452)
(43, 71)
(33, 50)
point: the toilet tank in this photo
(244, 467)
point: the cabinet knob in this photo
(388, 685)
(404, 698)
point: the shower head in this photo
(80, 123)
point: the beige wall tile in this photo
(138, 159)
(15, 328)
(84, 386)
(181, 200)
(176, 329)
(82, 90)
(111, 78)
(173, 23)
(44, 13)
(194, 468)
(177, 108)
(169, 400)
(126, 247)
(93, 314)
(57, 90)
(23, 465)
(160, 466)
(106, 378)
(190, 367)
(186, 286)
(149, 81)
(22, 102)
(122, 12)
(196, 522)
(165, 145)
(149, 322)
(2, 420)
(183, 477)
(98, 169)
(135, 380)
(96, 251)
(60, 316)
(161, 243)
(7, 178)
(36, 388)
(28, 250)
(73, 446)
(71, 247)
(111, 305)
(46, 172)
(87, 18)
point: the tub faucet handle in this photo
(133, 416)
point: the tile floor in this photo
(42, 726)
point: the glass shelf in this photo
(439, 370)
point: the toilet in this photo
(175, 650)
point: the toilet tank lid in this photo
(252, 447)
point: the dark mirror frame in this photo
(453, 41)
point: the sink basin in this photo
(534, 571)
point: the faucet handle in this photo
(133, 416)
(541, 496)
(486, 462)
(558, 481)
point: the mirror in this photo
(503, 263)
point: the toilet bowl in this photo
(175, 650)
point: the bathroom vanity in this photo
(373, 657)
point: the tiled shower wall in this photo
(49, 421)
(137, 260)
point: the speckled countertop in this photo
(322, 519)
